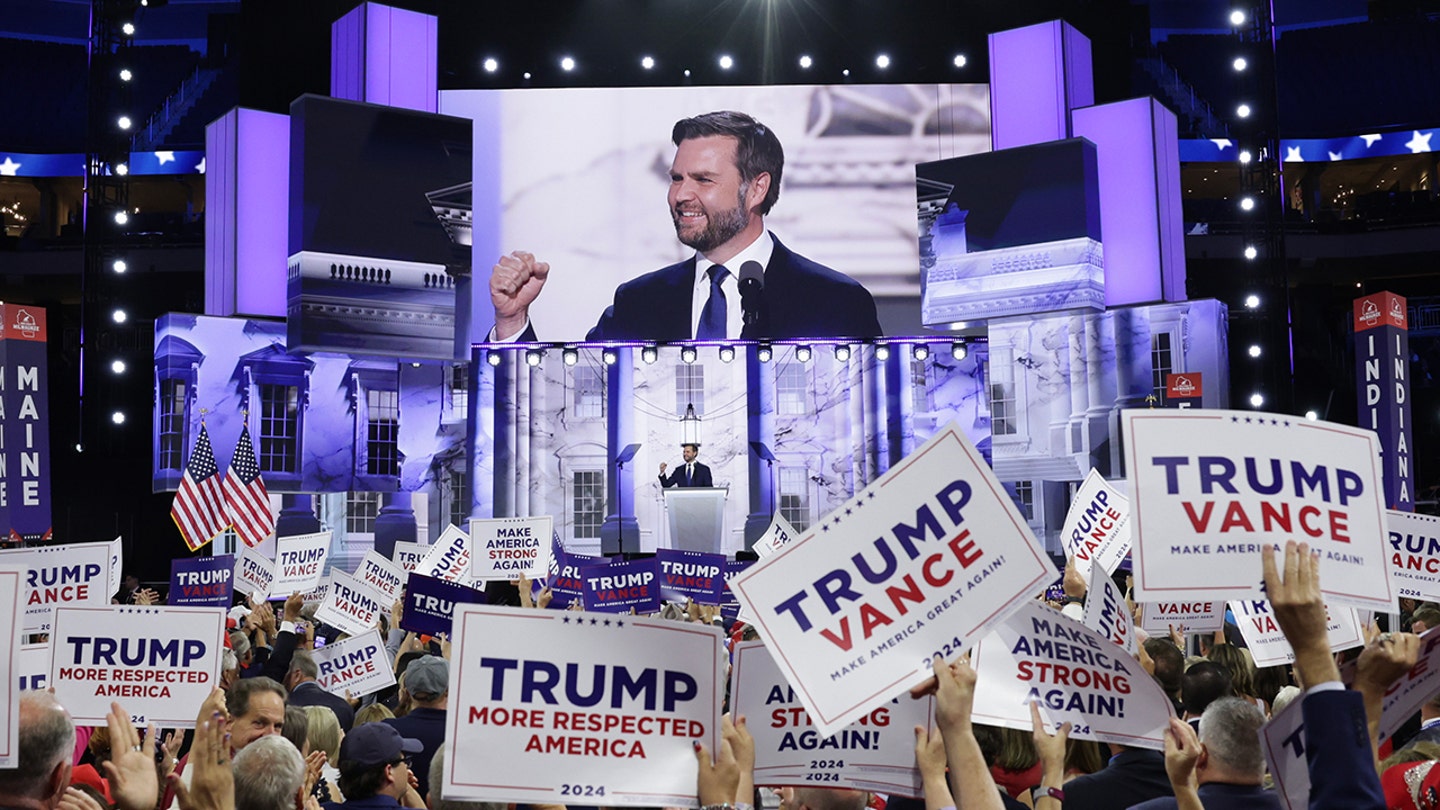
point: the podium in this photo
(697, 518)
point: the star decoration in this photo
(1247, 420)
(165, 157)
(1334, 155)
(1370, 140)
(594, 622)
(848, 510)
(1419, 143)
(859, 503)
(9, 167)
(619, 623)
(1292, 155)
(824, 527)
(1286, 423)
(565, 619)
(1221, 143)
(871, 496)
(607, 622)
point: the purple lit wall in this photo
(247, 192)
(1038, 74)
(385, 55)
(1139, 167)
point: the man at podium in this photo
(690, 474)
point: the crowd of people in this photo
(272, 739)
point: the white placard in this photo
(1210, 488)
(358, 665)
(408, 555)
(504, 548)
(299, 562)
(1076, 675)
(448, 558)
(61, 576)
(779, 534)
(254, 572)
(923, 561)
(158, 662)
(13, 676)
(1268, 645)
(1191, 616)
(1409, 693)
(317, 594)
(349, 605)
(1106, 612)
(381, 576)
(1284, 741)
(1097, 527)
(1414, 554)
(117, 565)
(876, 754)
(579, 707)
(33, 667)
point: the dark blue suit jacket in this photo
(1132, 776)
(1337, 751)
(701, 478)
(1215, 796)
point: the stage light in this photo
(763, 354)
(570, 357)
(526, 75)
(128, 29)
(1240, 63)
(119, 316)
(959, 60)
(79, 448)
(126, 75)
(120, 266)
(117, 366)
(492, 356)
(1254, 350)
(882, 61)
(121, 217)
(1237, 17)
(802, 353)
(647, 62)
(958, 351)
(1252, 301)
(1251, 252)
(845, 72)
(727, 353)
(649, 354)
(567, 64)
(1247, 203)
(610, 356)
(1312, 416)
(726, 62)
(533, 356)
(1257, 399)
(687, 354)
(842, 352)
(806, 62)
(882, 352)
(122, 169)
(1245, 156)
(687, 73)
(118, 417)
(1243, 111)
(491, 64)
(920, 351)
(123, 122)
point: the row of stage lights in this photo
(724, 61)
(764, 352)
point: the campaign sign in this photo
(1193, 616)
(776, 537)
(381, 576)
(158, 662)
(729, 605)
(923, 561)
(693, 575)
(430, 603)
(350, 606)
(33, 667)
(1268, 645)
(504, 548)
(619, 586)
(1414, 554)
(877, 753)
(566, 584)
(1097, 527)
(317, 594)
(61, 576)
(1074, 674)
(253, 572)
(299, 562)
(1284, 741)
(1184, 390)
(1107, 613)
(202, 581)
(567, 707)
(449, 558)
(407, 556)
(12, 672)
(117, 560)
(358, 665)
(1410, 692)
(1209, 489)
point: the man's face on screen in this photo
(707, 198)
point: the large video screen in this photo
(580, 180)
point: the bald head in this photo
(47, 746)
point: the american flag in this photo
(198, 509)
(247, 506)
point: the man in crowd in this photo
(427, 679)
(1132, 775)
(1230, 764)
(1426, 616)
(1169, 668)
(376, 769)
(257, 709)
(41, 779)
(305, 689)
(269, 775)
(1203, 683)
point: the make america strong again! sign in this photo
(922, 562)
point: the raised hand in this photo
(515, 282)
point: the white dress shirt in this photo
(758, 251)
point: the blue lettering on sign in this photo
(61, 575)
(1214, 473)
(540, 679)
(132, 652)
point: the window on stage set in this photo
(382, 432)
(1000, 372)
(689, 388)
(589, 392)
(360, 511)
(792, 389)
(173, 393)
(587, 500)
(1025, 499)
(457, 492)
(279, 428)
(1162, 362)
(920, 386)
(457, 380)
(795, 496)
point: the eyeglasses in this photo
(407, 761)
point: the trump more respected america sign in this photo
(1209, 489)
(920, 563)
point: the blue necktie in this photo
(712, 317)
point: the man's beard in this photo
(720, 227)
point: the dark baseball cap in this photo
(375, 744)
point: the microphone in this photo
(752, 287)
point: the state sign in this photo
(1209, 489)
(358, 665)
(504, 548)
(923, 561)
(1097, 527)
(566, 707)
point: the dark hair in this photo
(1204, 683)
(359, 782)
(237, 700)
(757, 150)
(1169, 664)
